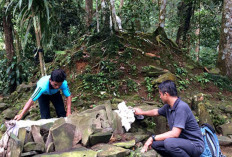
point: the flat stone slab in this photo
(224, 141)
(107, 150)
(78, 152)
(100, 138)
(127, 144)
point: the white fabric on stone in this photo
(126, 114)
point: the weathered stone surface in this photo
(32, 146)
(29, 154)
(78, 152)
(29, 137)
(15, 146)
(9, 113)
(106, 150)
(149, 153)
(49, 141)
(203, 114)
(50, 148)
(225, 129)
(63, 136)
(153, 71)
(109, 111)
(35, 130)
(228, 109)
(46, 126)
(22, 136)
(117, 124)
(3, 106)
(127, 144)
(100, 137)
(89, 121)
(224, 141)
(164, 77)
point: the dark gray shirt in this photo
(181, 116)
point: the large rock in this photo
(106, 150)
(3, 106)
(9, 113)
(32, 146)
(225, 129)
(126, 144)
(15, 146)
(100, 137)
(90, 121)
(164, 77)
(78, 152)
(63, 136)
(149, 153)
(153, 71)
(22, 135)
(224, 141)
(203, 114)
(35, 130)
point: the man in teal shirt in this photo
(48, 89)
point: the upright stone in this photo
(22, 135)
(63, 137)
(15, 146)
(35, 130)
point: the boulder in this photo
(149, 153)
(100, 137)
(9, 113)
(32, 146)
(203, 114)
(225, 129)
(35, 130)
(3, 106)
(77, 152)
(153, 71)
(22, 135)
(15, 146)
(63, 136)
(224, 141)
(164, 77)
(106, 150)
(126, 144)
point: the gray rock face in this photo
(32, 146)
(106, 150)
(63, 136)
(225, 129)
(224, 141)
(3, 106)
(100, 138)
(9, 113)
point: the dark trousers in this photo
(56, 100)
(177, 147)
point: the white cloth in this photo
(126, 114)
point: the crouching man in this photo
(184, 138)
(48, 90)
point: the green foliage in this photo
(183, 84)
(180, 70)
(14, 74)
(222, 82)
(149, 86)
(202, 78)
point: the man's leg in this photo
(182, 147)
(58, 103)
(158, 146)
(44, 106)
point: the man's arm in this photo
(69, 102)
(153, 112)
(174, 133)
(25, 109)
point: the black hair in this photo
(169, 87)
(58, 75)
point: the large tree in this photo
(225, 45)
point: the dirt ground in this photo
(227, 151)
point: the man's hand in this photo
(18, 117)
(138, 111)
(147, 145)
(68, 113)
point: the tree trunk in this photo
(225, 48)
(185, 11)
(39, 46)
(7, 26)
(97, 16)
(162, 13)
(121, 4)
(113, 15)
(105, 14)
(89, 12)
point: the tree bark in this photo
(97, 16)
(113, 13)
(162, 13)
(8, 33)
(89, 12)
(225, 48)
(185, 11)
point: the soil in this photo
(227, 151)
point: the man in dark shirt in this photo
(184, 138)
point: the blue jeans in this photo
(177, 147)
(56, 100)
